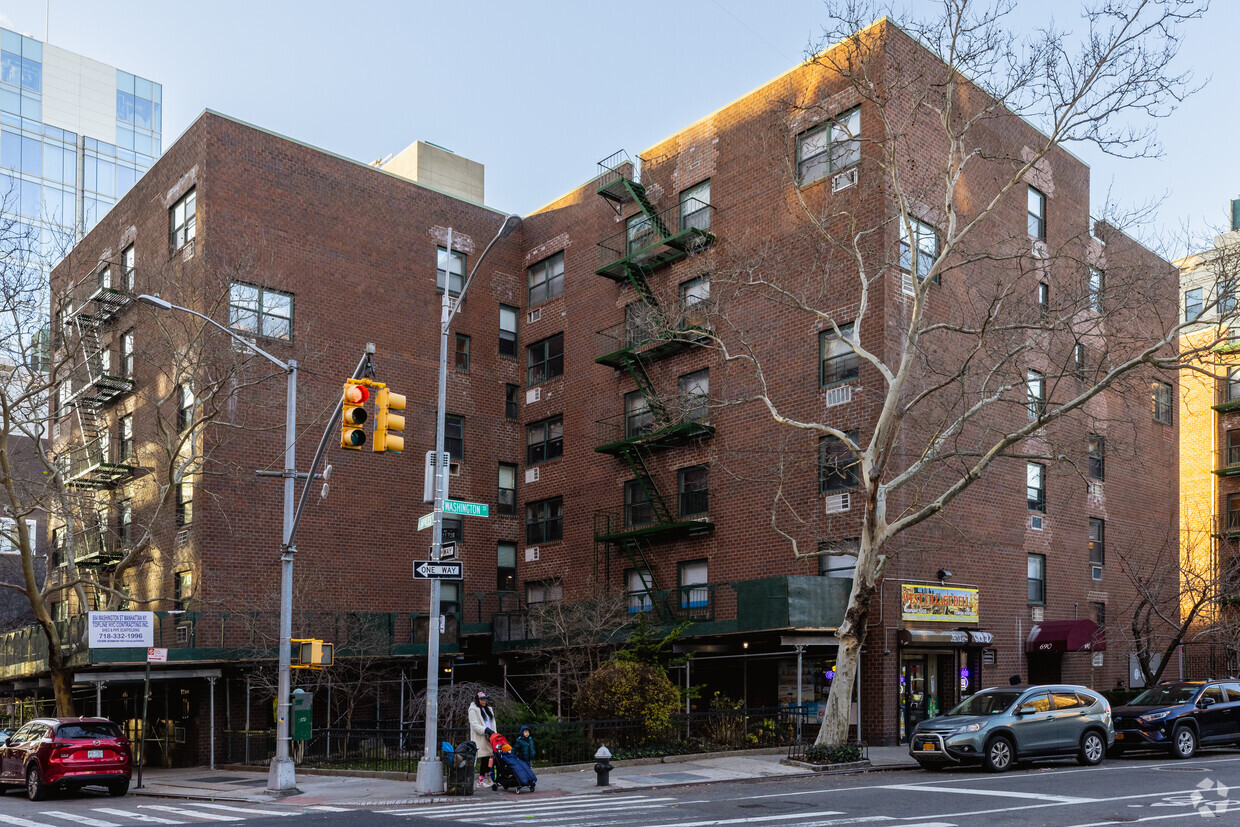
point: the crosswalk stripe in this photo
(229, 809)
(89, 822)
(146, 819)
(326, 808)
(576, 819)
(753, 820)
(20, 822)
(1059, 799)
(512, 805)
(190, 813)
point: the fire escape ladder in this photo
(633, 455)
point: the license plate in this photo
(928, 746)
(1119, 736)
(94, 753)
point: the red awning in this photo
(1066, 636)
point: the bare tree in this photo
(574, 640)
(974, 365)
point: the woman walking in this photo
(481, 725)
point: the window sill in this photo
(545, 381)
(838, 382)
(543, 462)
(834, 491)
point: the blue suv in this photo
(1179, 717)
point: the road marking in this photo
(1058, 799)
(759, 820)
(89, 822)
(190, 813)
(136, 816)
(229, 809)
(539, 805)
(570, 816)
(20, 822)
(327, 808)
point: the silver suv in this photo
(999, 726)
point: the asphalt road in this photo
(1132, 790)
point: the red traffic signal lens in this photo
(356, 394)
(354, 438)
(354, 416)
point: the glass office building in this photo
(74, 136)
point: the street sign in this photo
(447, 551)
(426, 570)
(156, 655)
(468, 509)
(426, 521)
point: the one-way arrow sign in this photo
(427, 570)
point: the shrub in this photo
(623, 689)
(834, 753)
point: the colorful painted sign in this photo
(945, 604)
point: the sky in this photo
(540, 90)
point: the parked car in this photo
(1002, 725)
(1180, 717)
(65, 753)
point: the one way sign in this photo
(427, 570)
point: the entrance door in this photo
(920, 690)
(1045, 668)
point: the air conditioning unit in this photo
(906, 283)
(531, 474)
(184, 631)
(534, 315)
(1095, 572)
(531, 554)
(1035, 522)
(844, 180)
(452, 303)
(182, 537)
(1037, 614)
(178, 734)
(56, 432)
(838, 395)
(1039, 248)
(988, 657)
(533, 395)
(454, 469)
(837, 503)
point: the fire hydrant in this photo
(603, 768)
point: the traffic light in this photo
(311, 653)
(354, 415)
(386, 422)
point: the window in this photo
(1035, 394)
(695, 207)
(1037, 578)
(1161, 392)
(925, 241)
(546, 279)
(1233, 385)
(638, 510)
(638, 586)
(695, 395)
(641, 323)
(1096, 286)
(260, 311)
(457, 279)
(507, 330)
(1192, 304)
(124, 519)
(693, 483)
(545, 359)
(1233, 511)
(506, 567)
(638, 418)
(1226, 299)
(695, 293)
(462, 353)
(1233, 448)
(639, 233)
(1035, 486)
(839, 361)
(1037, 214)
(127, 355)
(185, 502)
(182, 588)
(1044, 300)
(544, 520)
(185, 407)
(1078, 361)
(1066, 700)
(1097, 457)
(454, 530)
(829, 148)
(544, 440)
(58, 546)
(839, 558)
(1097, 541)
(183, 216)
(506, 498)
(125, 445)
(449, 598)
(544, 591)
(1100, 614)
(838, 468)
(511, 407)
(454, 436)
(694, 579)
(127, 268)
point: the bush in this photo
(623, 689)
(834, 753)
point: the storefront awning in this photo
(943, 637)
(1066, 636)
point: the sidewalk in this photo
(237, 785)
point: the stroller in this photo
(510, 771)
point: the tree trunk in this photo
(834, 730)
(62, 682)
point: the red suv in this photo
(48, 753)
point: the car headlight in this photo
(966, 728)
(1154, 716)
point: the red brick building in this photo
(619, 459)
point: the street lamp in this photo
(430, 771)
(281, 777)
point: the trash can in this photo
(461, 768)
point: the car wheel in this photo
(36, 790)
(999, 754)
(118, 788)
(1093, 748)
(1183, 742)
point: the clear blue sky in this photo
(540, 90)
